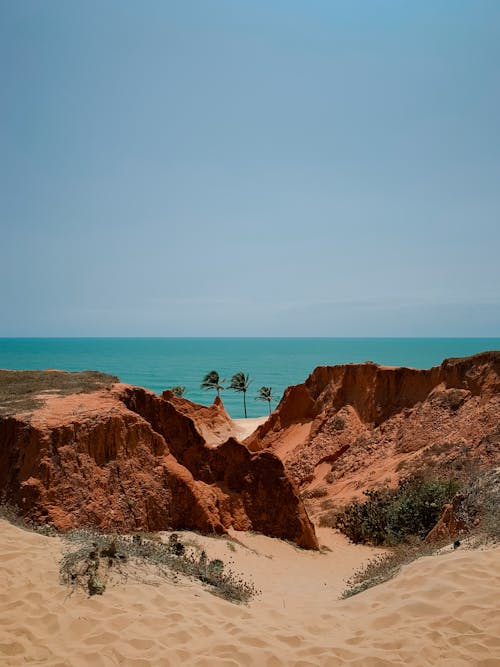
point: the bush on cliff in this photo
(477, 510)
(390, 516)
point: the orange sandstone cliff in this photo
(358, 426)
(125, 459)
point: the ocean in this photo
(160, 363)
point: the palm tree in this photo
(265, 394)
(212, 381)
(240, 382)
(178, 391)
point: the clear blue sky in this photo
(250, 168)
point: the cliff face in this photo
(211, 421)
(122, 458)
(251, 489)
(96, 463)
(127, 460)
(357, 426)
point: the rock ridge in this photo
(125, 459)
(358, 426)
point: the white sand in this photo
(440, 611)
(245, 427)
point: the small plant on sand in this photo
(240, 383)
(178, 391)
(212, 381)
(98, 556)
(384, 567)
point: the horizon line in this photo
(250, 337)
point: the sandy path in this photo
(440, 611)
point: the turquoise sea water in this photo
(159, 363)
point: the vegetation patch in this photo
(317, 492)
(96, 558)
(479, 506)
(478, 509)
(391, 516)
(338, 423)
(20, 390)
(450, 399)
(13, 515)
(384, 567)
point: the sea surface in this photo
(160, 363)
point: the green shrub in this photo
(390, 516)
(413, 504)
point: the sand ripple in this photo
(440, 611)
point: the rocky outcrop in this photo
(450, 523)
(359, 426)
(211, 421)
(249, 487)
(103, 466)
(125, 459)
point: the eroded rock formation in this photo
(125, 459)
(359, 426)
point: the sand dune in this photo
(442, 610)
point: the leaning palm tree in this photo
(212, 381)
(265, 394)
(240, 382)
(178, 391)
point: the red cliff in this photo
(125, 459)
(358, 426)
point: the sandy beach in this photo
(245, 427)
(441, 610)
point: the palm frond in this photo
(212, 381)
(240, 382)
(265, 394)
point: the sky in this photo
(250, 168)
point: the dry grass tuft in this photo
(385, 567)
(93, 560)
(98, 557)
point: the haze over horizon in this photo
(262, 169)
